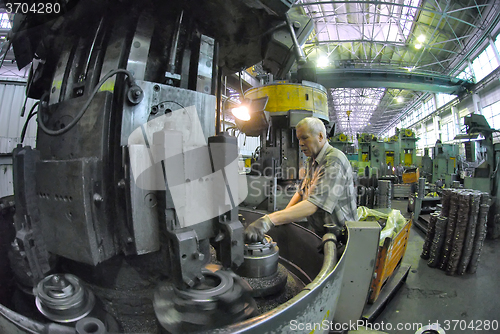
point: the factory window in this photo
(391, 132)
(428, 107)
(442, 99)
(404, 122)
(5, 21)
(485, 63)
(417, 114)
(492, 115)
(447, 132)
(466, 74)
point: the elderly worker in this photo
(326, 195)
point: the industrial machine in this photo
(444, 163)
(479, 165)
(426, 166)
(371, 153)
(275, 110)
(407, 146)
(126, 213)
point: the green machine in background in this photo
(345, 143)
(392, 153)
(371, 153)
(342, 142)
(426, 166)
(444, 163)
(407, 146)
(478, 169)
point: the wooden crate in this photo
(389, 257)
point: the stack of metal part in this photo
(367, 191)
(455, 237)
(402, 190)
(384, 194)
(366, 196)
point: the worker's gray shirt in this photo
(329, 185)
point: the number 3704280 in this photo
(34, 8)
(478, 325)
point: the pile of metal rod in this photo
(455, 236)
(384, 194)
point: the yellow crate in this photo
(389, 257)
(411, 177)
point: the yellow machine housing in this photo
(284, 97)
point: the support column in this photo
(495, 50)
(477, 104)
(455, 119)
(437, 128)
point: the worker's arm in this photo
(256, 230)
(292, 213)
(295, 199)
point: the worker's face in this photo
(309, 143)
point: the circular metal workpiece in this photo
(223, 298)
(430, 329)
(90, 325)
(62, 298)
(261, 259)
(269, 285)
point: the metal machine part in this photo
(269, 285)
(90, 325)
(261, 259)
(360, 257)
(317, 302)
(261, 268)
(29, 246)
(63, 298)
(223, 298)
(430, 329)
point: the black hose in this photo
(86, 105)
(30, 115)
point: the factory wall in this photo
(12, 96)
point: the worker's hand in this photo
(256, 230)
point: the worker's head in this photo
(311, 133)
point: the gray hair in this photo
(314, 125)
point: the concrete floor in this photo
(429, 295)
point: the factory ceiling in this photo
(420, 46)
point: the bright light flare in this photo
(241, 113)
(322, 62)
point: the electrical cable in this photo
(30, 115)
(86, 105)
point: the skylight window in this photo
(361, 102)
(337, 22)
